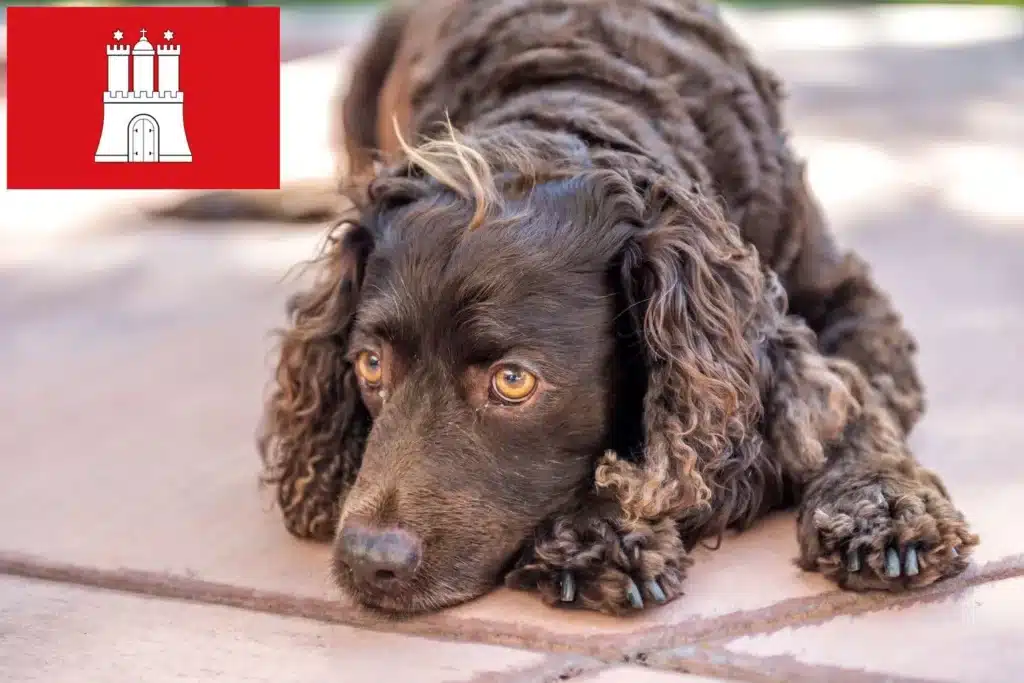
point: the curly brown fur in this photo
(873, 505)
(606, 557)
(315, 426)
(600, 194)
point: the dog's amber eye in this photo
(513, 384)
(369, 368)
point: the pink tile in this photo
(974, 636)
(140, 455)
(636, 674)
(64, 634)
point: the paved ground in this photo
(138, 547)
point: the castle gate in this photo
(143, 139)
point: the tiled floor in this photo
(132, 364)
(973, 635)
(122, 637)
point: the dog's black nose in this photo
(383, 558)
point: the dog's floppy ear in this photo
(692, 287)
(315, 425)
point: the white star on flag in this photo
(118, 34)
(168, 35)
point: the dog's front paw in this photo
(595, 564)
(887, 535)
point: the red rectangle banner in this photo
(143, 97)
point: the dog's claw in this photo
(568, 587)
(654, 588)
(853, 561)
(910, 565)
(633, 595)
(892, 563)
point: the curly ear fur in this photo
(700, 290)
(315, 425)
(740, 404)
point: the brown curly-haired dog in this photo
(601, 322)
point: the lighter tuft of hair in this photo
(458, 166)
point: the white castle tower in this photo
(143, 124)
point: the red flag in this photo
(191, 92)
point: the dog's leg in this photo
(835, 292)
(597, 559)
(870, 516)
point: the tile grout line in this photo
(720, 662)
(554, 669)
(714, 660)
(705, 661)
(642, 643)
(808, 611)
(198, 591)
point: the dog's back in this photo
(664, 83)
(662, 86)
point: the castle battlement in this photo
(143, 117)
(153, 97)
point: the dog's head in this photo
(478, 344)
